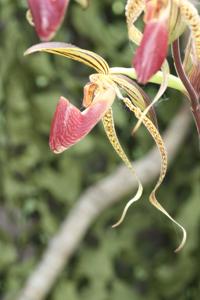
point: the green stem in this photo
(173, 82)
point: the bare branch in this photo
(91, 203)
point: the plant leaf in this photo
(70, 51)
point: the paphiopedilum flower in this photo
(47, 16)
(165, 21)
(70, 125)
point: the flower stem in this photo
(173, 82)
(193, 96)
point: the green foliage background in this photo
(38, 188)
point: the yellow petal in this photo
(162, 89)
(83, 3)
(160, 144)
(133, 10)
(192, 18)
(176, 23)
(70, 51)
(136, 94)
(108, 124)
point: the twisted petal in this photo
(47, 16)
(163, 154)
(109, 127)
(192, 18)
(70, 125)
(152, 51)
(133, 10)
(136, 94)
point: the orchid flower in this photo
(163, 24)
(70, 125)
(165, 21)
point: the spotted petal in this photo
(47, 16)
(70, 125)
(163, 154)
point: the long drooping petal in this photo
(133, 10)
(70, 125)
(192, 18)
(162, 89)
(87, 57)
(163, 154)
(136, 94)
(47, 16)
(152, 51)
(109, 127)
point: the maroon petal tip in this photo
(47, 16)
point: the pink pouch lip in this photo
(47, 16)
(70, 125)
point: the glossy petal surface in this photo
(152, 51)
(47, 16)
(70, 125)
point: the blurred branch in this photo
(92, 202)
